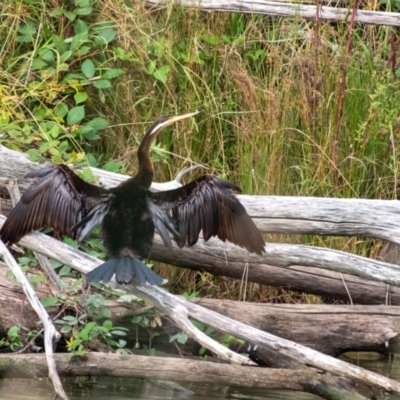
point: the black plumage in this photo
(130, 213)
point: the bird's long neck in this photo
(144, 176)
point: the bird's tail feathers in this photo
(126, 269)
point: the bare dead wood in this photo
(285, 255)
(182, 370)
(286, 10)
(272, 214)
(326, 283)
(51, 335)
(277, 346)
(326, 328)
(15, 309)
(234, 261)
(168, 304)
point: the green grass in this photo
(268, 87)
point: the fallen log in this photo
(281, 255)
(181, 370)
(271, 214)
(179, 310)
(329, 329)
(287, 10)
(308, 279)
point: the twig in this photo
(50, 333)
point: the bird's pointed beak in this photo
(175, 118)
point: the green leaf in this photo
(76, 343)
(24, 260)
(38, 63)
(34, 155)
(64, 146)
(151, 68)
(209, 331)
(180, 337)
(91, 135)
(64, 56)
(24, 39)
(61, 110)
(161, 73)
(102, 84)
(83, 10)
(112, 166)
(49, 301)
(118, 333)
(80, 97)
(88, 69)
(55, 263)
(152, 352)
(78, 40)
(47, 55)
(56, 12)
(108, 325)
(198, 325)
(84, 333)
(98, 123)
(13, 331)
(28, 29)
(112, 73)
(65, 270)
(70, 15)
(91, 160)
(37, 279)
(105, 35)
(75, 115)
(83, 51)
(70, 320)
(80, 27)
(65, 329)
(82, 3)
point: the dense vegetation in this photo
(80, 84)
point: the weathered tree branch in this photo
(51, 335)
(305, 279)
(278, 254)
(326, 328)
(286, 10)
(273, 214)
(356, 328)
(168, 303)
(182, 370)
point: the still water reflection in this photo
(124, 389)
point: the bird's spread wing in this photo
(205, 204)
(59, 199)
